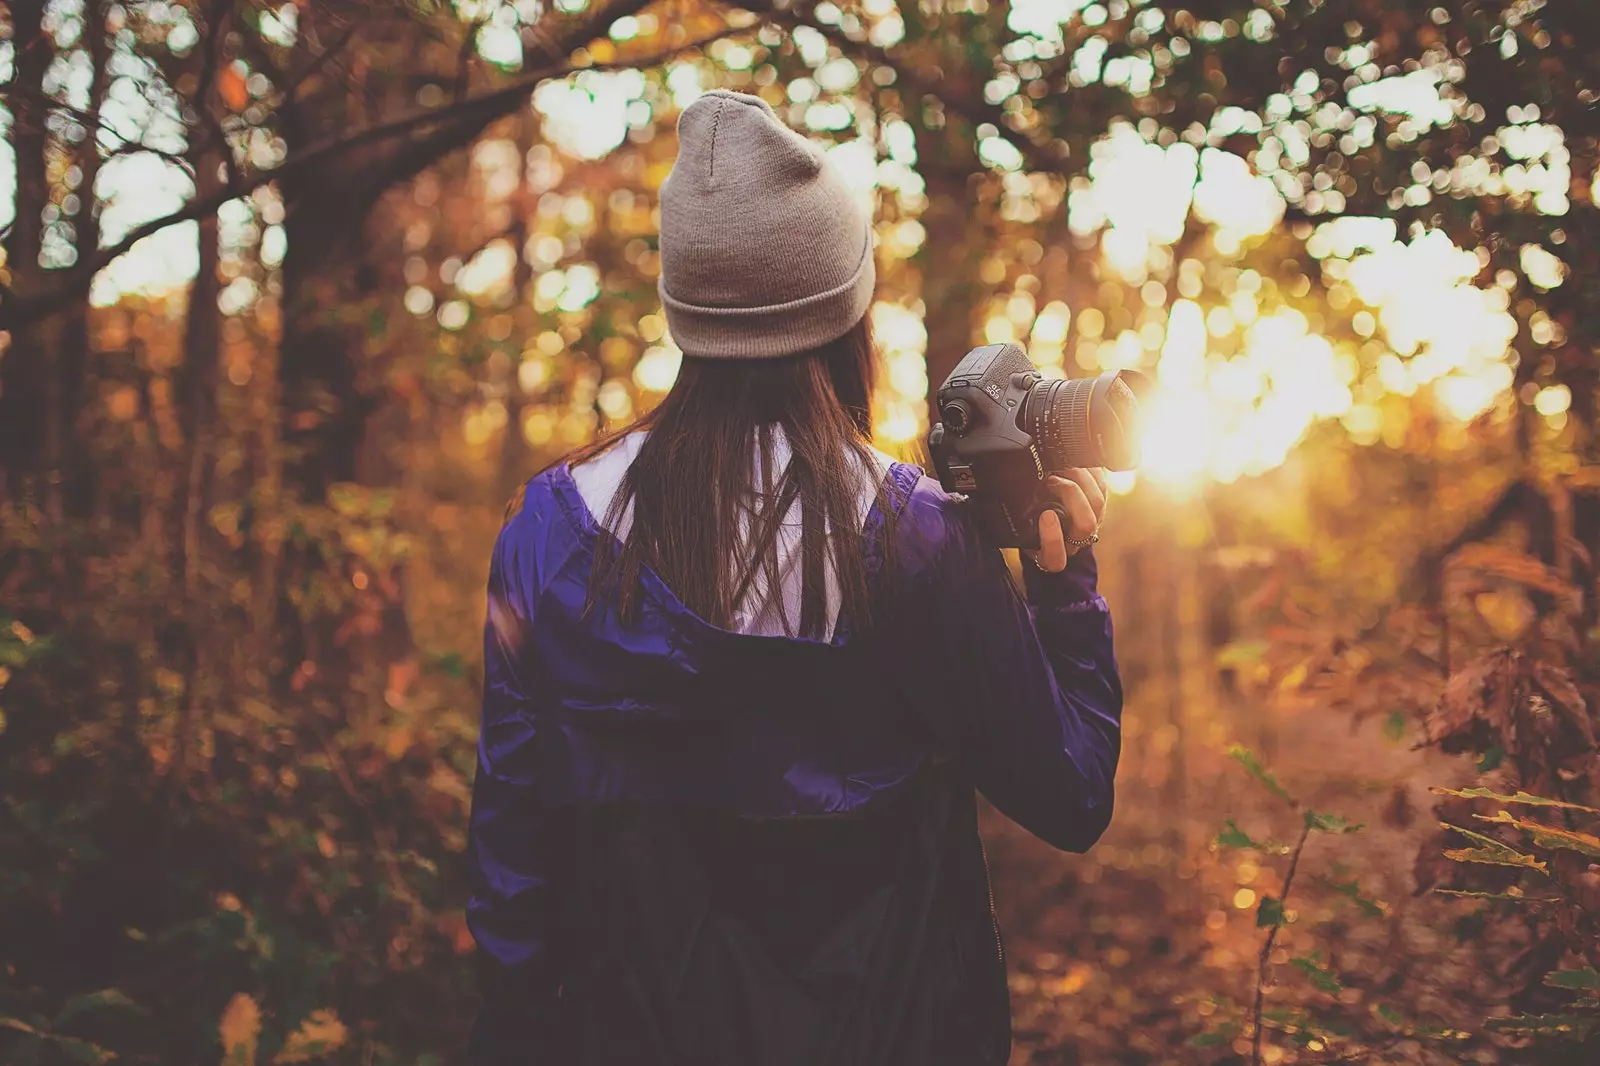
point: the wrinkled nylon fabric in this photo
(696, 845)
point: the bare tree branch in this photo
(89, 120)
(472, 113)
(292, 87)
(469, 39)
(177, 159)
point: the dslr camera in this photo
(1003, 428)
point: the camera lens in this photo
(1085, 421)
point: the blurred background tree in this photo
(297, 294)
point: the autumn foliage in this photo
(398, 256)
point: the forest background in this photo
(296, 294)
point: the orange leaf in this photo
(231, 87)
(321, 1033)
(398, 742)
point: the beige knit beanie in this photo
(764, 251)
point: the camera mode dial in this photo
(957, 417)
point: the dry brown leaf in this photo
(1564, 696)
(1484, 692)
(1517, 566)
(240, 1029)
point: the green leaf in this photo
(1492, 852)
(1247, 758)
(1394, 726)
(1412, 1027)
(1548, 836)
(1296, 1022)
(1234, 837)
(1331, 823)
(1584, 980)
(1491, 759)
(90, 1002)
(1270, 912)
(1320, 977)
(1351, 890)
(1217, 1037)
(1573, 1026)
(451, 665)
(1515, 797)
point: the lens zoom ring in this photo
(1060, 422)
(1073, 414)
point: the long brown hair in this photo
(692, 485)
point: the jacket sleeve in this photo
(510, 837)
(1024, 693)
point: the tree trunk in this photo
(950, 258)
(515, 457)
(25, 367)
(196, 393)
(321, 409)
(324, 407)
(196, 386)
(77, 476)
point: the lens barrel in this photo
(1085, 421)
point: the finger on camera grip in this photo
(1052, 556)
(1084, 478)
(1082, 518)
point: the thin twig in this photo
(292, 88)
(87, 119)
(177, 159)
(1265, 962)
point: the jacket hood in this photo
(763, 725)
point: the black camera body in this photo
(1003, 428)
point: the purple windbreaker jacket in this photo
(960, 679)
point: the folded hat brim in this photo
(772, 330)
